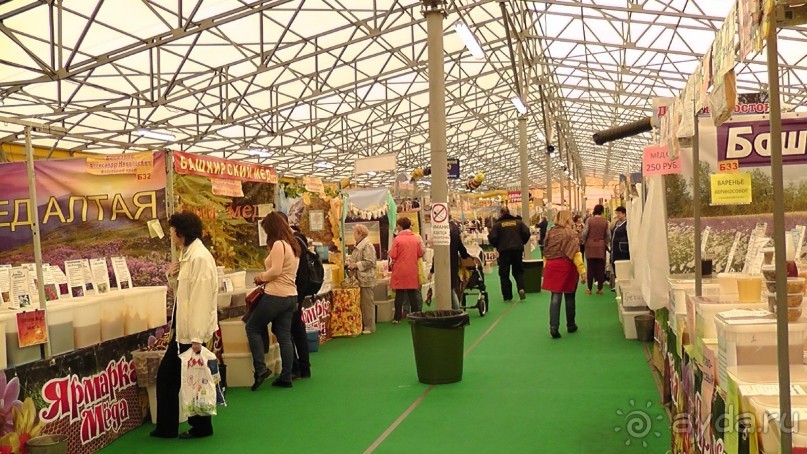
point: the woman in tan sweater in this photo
(278, 302)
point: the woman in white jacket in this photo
(195, 283)
(362, 262)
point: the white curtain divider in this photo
(637, 233)
(655, 261)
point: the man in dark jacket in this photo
(456, 252)
(542, 226)
(301, 367)
(509, 235)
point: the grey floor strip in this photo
(420, 398)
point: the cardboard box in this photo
(240, 369)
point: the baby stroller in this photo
(472, 283)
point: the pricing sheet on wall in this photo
(75, 277)
(20, 288)
(121, 272)
(88, 283)
(5, 284)
(100, 275)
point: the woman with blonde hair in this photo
(362, 262)
(563, 265)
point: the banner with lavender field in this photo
(744, 141)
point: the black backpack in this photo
(310, 272)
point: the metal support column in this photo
(434, 12)
(170, 203)
(696, 204)
(779, 239)
(562, 192)
(571, 201)
(33, 216)
(549, 183)
(525, 176)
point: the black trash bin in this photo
(645, 327)
(533, 273)
(438, 338)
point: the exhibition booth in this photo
(102, 230)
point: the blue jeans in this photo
(276, 310)
(554, 310)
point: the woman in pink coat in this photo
(406, 250)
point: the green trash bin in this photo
(533, 273)
(438, 338)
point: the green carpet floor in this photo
(522, 391)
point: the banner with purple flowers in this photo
(85, 215)
(745, 139)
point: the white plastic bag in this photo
(197, 392)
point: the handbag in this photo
(252, 300)
(254, 296)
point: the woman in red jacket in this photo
(405, 252)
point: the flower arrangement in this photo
(20, 422)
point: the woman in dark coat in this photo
(619, 242)
(597, 237)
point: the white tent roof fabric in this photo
(335, 80)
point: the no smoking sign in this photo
(440, 229)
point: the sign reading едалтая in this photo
(194, 164)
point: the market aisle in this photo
(521, 392)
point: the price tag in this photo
(730, 166)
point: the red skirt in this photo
(560, 276)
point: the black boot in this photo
(555, 333)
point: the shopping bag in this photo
(197, 391)
(213, 365)
(422, 279)
(350, 281)
(345, 317)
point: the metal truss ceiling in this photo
(334, 80)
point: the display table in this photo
(236, 296)
(88, 320)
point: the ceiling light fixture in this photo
(371, 173)
(155, 135)
(323, 165)
(259, 153)
(520, 106)
(469, 39)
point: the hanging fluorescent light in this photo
(469, 39)
(259, 153)
(371, 173)
(520, 107)
(323, 165)
(155, 135)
